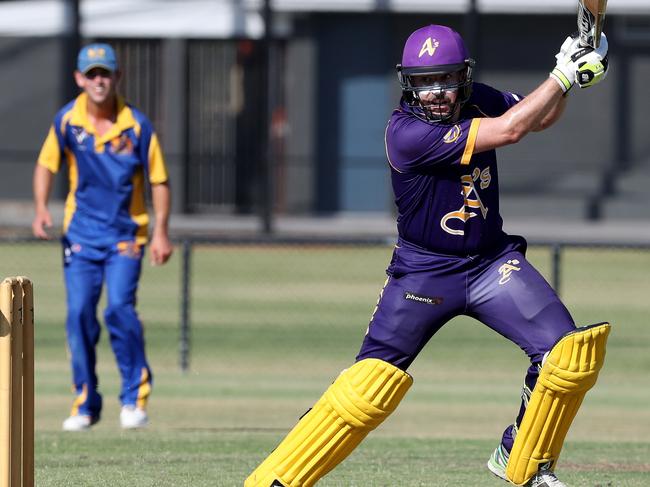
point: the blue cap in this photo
(96, 56)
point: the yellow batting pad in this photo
(356, 403)
(570, 370)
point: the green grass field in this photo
(273, 326)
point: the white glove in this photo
(565, 71)
(591, 64)
(585, 66)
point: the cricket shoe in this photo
(499, 461)
(132, 417)
(545, 478)
(79, 422)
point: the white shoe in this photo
(78, 422)
(499, 461)
(132, 417)
(545, 478)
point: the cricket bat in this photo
(591, 17)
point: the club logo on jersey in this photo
(129, 249)
(80, 135)
(429, 47)
(471, 200)
(453, 135)
(122, 146)
(419, 298)
(507, 269)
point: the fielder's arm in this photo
(42, 186)
(161, 248)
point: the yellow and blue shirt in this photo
(106, 201)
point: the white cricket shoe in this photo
(132, 417)
(499, 461)
(78, 422)
(545, 478)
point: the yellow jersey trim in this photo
(471, 140)
(70, 201)
(157, 168)
(124, 121)
(50, 155)
(138, 208)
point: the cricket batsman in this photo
(453, 258)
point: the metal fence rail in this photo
(556, 250)
(202, 270)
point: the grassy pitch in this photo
(273, 326)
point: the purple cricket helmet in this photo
(435, 50)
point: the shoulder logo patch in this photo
(453, 135)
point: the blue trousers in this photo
(501, 289)
(85, 271)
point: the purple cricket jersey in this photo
(447, 197)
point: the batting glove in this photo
(591, 64)
(565, 69)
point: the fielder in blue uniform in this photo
(111, 151)
(453, 258)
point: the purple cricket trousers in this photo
(499, 288)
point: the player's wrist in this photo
(564, 72)
(562, 79)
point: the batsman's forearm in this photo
(161, 199)
(535, 109)
(521, 119)
(553, 116)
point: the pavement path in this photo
(15, 220)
